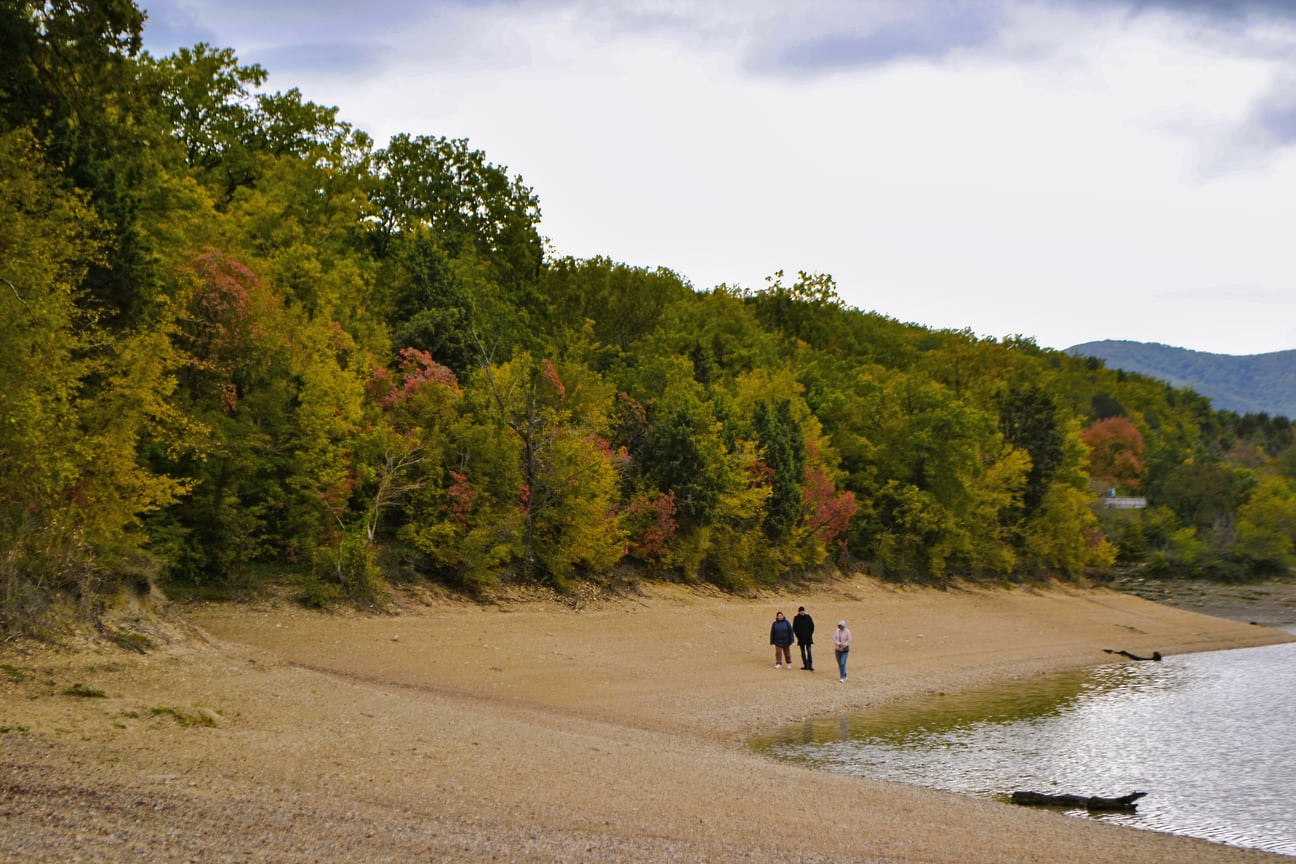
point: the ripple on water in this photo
(1207, 736)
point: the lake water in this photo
(1208, 736)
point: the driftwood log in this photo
(1156, 655)
(1092, 802)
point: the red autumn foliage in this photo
(828, 513)
(655, 523)
(461, 497)
(761, 473)
(229, 397)
(226, 307)
(1116, 453)
(418, 372)
(620, 457)
(230, 323)
(550, 375)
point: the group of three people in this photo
(801, 628)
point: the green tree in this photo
(234, 335)
(1061, 536)
(1266, 528)
(1201, 494)
(803, 311)
(368, 470)
(719, 334)
(433, 311)
(209, 102)
(674, 459)
(230, 133)
(782, 449)
(77, 404)
(624, 303)
(470, 205)
(569, 486)
(62, 60)
(942, 484)
(68, 73)
(1030, 420)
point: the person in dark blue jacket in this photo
(781, 639)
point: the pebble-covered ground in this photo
(584, 729)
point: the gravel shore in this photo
(598, 731)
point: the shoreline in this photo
(1269, 603)
(536, 732)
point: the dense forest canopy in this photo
(240, 341)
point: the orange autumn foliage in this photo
(1116, 453)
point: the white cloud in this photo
(1068, 171)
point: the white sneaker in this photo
(778, 665)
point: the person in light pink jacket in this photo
(841, 645)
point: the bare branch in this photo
(17, 296)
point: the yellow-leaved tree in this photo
(72, 488)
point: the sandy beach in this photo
(593, 729)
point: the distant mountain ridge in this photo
(1251, 384)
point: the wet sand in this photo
(595, 730)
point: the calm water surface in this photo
(1207, 736)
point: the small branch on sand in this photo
(1092, 802)
(1156, 655)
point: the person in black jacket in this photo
(781, 639)
(803, 628)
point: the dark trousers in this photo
(807, 655)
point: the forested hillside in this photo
(1250, 384)
(240, 341)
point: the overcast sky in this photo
(1067, 170)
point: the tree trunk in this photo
(1156, 655)
(1093, 802)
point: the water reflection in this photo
(1206, 736)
